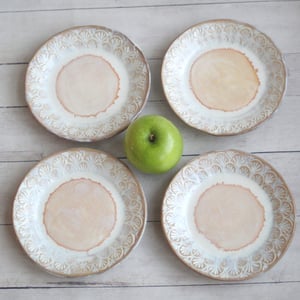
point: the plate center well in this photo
(229, 216)
(87, 85)
(224, 79)
(80, 214)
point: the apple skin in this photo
(153, 144)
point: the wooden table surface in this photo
(151, 271)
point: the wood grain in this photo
(33, 5)
(12, 79)
(151, 271)
(194, 292)
(138, 24)
(151, 263)
(12, 173)
(269, 136)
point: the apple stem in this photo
(152, 137)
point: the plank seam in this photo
(145, 6)
(95, 285)
(184, 155)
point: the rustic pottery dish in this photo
(87, 83)
(223, 77)
(228, 215)
(79, 212)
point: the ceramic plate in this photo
(79, 212)
(87, 83)
(228, 215)
(223, 77)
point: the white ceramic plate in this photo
(223, 77)
(87, 83)
(228, 215)
(79, 212)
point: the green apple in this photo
(153, 144)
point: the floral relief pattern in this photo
(84, 38)
(214, 33)
(237, 267)
(29, 202)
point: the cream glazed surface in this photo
(224, 79)
(84, 213)
(224, 214)
(229, 215)
(80, 214)
(218, 77)
(87, 83)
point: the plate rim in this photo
(253, 274)
(138, 237)
(252, 27)
(111, 134)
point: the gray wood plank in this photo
(23, 138)
(12, 85)
(292, 62)
(227, 291)
(12, 79)
(138, 23)
(151, 263)
(151, 270)
(11, 175)
(33, 5)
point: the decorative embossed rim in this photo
(169, 205)
(119, 249)
(138, 92)
(235, 126)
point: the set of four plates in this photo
(81, 211)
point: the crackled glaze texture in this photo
(223, 34)
(228, 167)
(87, 85)
(79, 166)
(229, 215)
(50, 97)
(223, 79)
(80, 214)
